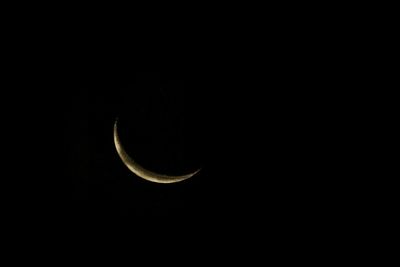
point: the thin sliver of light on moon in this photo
(148, 175)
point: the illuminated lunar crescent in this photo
(142, 172)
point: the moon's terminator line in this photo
(142, 172)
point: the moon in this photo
(148, 175)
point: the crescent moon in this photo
(142, 172)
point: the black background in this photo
(253, 118)
(241, 127)
(255, 132)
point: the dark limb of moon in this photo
(142, 172)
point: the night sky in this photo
(243, 132)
